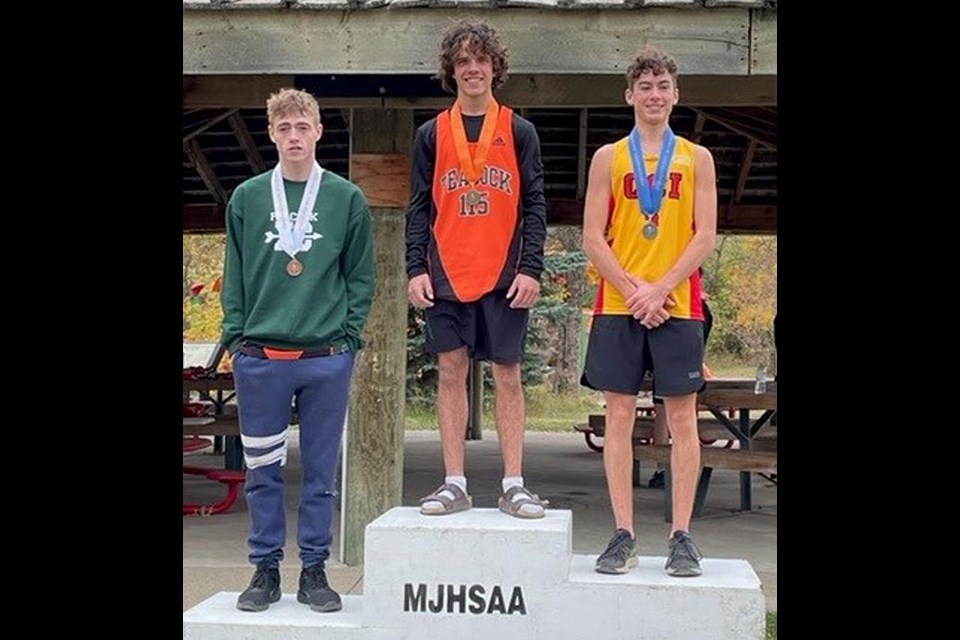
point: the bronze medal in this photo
(472, 164)
(294, 267)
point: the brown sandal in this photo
(512, 507)
(460, 502)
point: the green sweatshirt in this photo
(324, 306)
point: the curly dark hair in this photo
(482, 38)
(649, 59)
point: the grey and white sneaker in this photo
(684, 558)
(620, 555)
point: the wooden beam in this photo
(373, 477)
(404, 40)
(747, 219)
(252, 91)
(763, 42)
(606, 90)
(247, 142)
(698, 128)
(582, 155)
(744, 170)
(206, 125)
(209, 177)
(740, 218)
(565, 211)
(520, 91)
(753, 121)
(204, 218)
(765, 138)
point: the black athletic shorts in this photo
(621, 350)
(489, 328)
(707, 325)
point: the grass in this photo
(771, 625)
(727, 366)
(548, 411)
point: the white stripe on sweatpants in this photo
(264, 442)
(280, 453)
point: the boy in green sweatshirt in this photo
(297, 289)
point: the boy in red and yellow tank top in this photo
(649, 221)
(476, 227)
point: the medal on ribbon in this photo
(291, 234)
(294, 267)
(472, 165)
(650, 193)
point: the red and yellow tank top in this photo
(650, 259)
(475, 224)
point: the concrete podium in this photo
(485, 575)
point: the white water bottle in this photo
(760, 386)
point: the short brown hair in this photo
(287, 101)
(482, 38)
(649, 59)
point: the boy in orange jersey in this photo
(650, 219)
(475, 233)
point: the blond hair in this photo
(291, 101)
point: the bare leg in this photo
(452, 408)
(618, 455)
(684, 457)
(510, 415)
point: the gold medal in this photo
(473, 197)
(294, 267)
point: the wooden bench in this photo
(220, 425)
(759, 460)
(710, 429)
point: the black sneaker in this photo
(621, 554)
(684, 559)
(264, 589)
(657, 480)
(316, 592)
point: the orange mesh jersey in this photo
(650, 259)
(474, 231)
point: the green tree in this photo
(741, 278)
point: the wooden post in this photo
(373, 479)
(475, 401)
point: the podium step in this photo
(483, 574)
(725, 603)
(217, 618)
